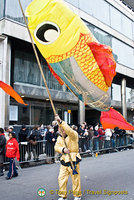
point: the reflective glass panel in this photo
(129, 94)
(127, 27)
(73, 2)
(124, 53)
(100, 35)
(26, 69)
(1, 8)
(13, 10)
(120, 22)
(51, 81)
(97, 8)
(41, 115)
(116, 21)
(116, 92)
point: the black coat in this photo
(2, 144)
(23, 135)
(36, 136)
(81, 131)
(49, 147)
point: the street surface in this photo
(109, 172)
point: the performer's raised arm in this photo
(66, 130)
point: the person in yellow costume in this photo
(71, 138)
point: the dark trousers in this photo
(23, 149)
(12, 168)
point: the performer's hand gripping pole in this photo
(44, 79)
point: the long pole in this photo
(38, 61)
(44, 79)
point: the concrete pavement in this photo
(109, 173)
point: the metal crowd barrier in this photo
(44, 150)
(101, 143)
(37, 151)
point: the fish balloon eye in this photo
(47, 33)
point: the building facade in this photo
(111, 22)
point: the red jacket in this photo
(12, 149)
(101, 133)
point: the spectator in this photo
(51, 138)
(23, 134)
(6, 133)
(2, 150)
(96, 137)
(75, 128)
(96, 128)
(55, 126)
(23, 138)
(90, 137)
(117, 134)
(36, 144)
(12, 151)
(86, 147)
(108, 135)
(122, 137)
(10, 129)
(113, 138)
(101, 137)
(56, 132)
(81, 132)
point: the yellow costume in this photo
(65, 169)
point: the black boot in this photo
(1, 171)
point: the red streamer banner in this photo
(10, 91)
(112, 119)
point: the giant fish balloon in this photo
(73, 54)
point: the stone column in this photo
(123, 98)
(81, 113)
(5, 63)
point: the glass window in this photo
(124, 53)
(127, 27)
(23, 114)
(128, 94)
(24, 118)
(116, 20)
(120, 22)
(131, 96)
(13, 10)
(133, 30)
(97, 8)
(26, 69)
(41, 115)
(73, 2)
(116, 92)
(51, 81)
(1, 8)
(100, 35)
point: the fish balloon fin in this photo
(103, 56)
(55, 75)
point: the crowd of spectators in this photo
(95, 138)
(41, 140)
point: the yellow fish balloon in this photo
(72, 52)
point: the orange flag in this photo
(112, 119)
(10, 91)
